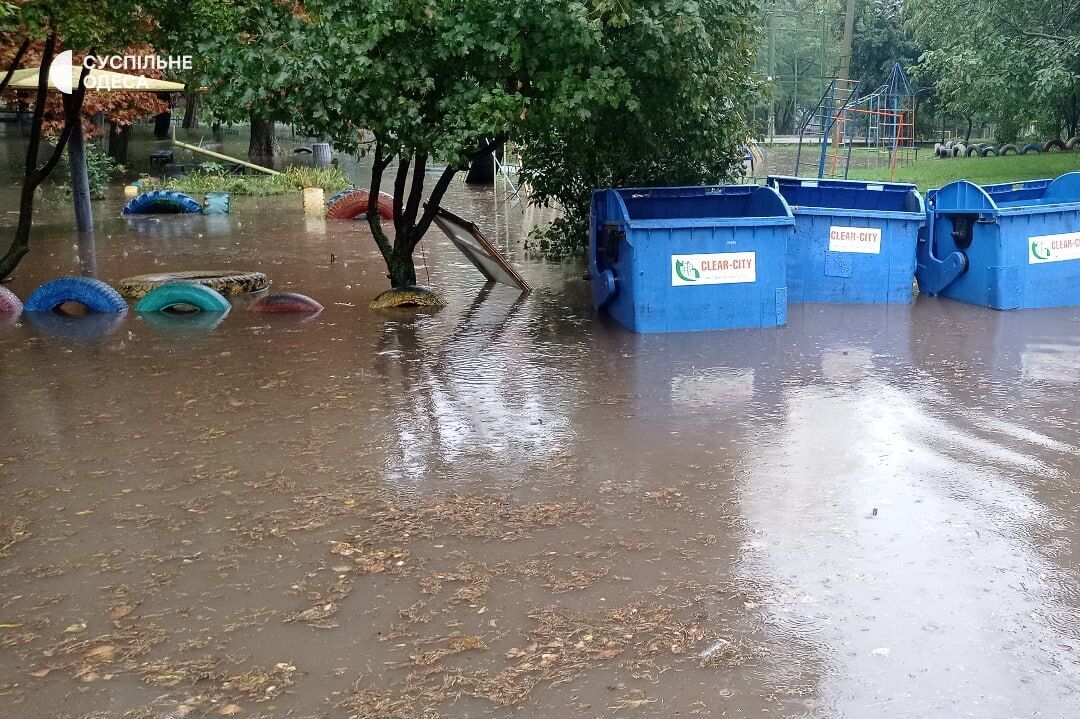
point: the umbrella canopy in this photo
(27, 79)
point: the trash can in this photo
(1003, 246)
(676, 259)
(854, 241)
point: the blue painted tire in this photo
(93, 294)
(989, 150)
(161, 202)
(1033, 147)
(200, 297)
(217, 203)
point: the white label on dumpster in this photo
(866, 240)
(1054, 248)
(719, 268)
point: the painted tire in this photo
(353, 205)
(161, 202)
(1033, 147)
(989, 150)
(95, 295)
(959, 149)
(1054, 144)
(200, 297)
(227, 283)
(338, 195)
(1005, 149)
(9, 302)
(1071, 142)
(286, 302)
(971, 150)
(217, 203)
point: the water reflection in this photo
(477, 393)
(900, 546)
(183, 323)
(82, 328)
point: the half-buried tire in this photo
(1031, 147)
(338, 195)
(286, 302)
(1054, 144)
(93, 294)
(10, 304)
(1071, 142)
(353, 205)
(989, 150)
(183, 294)
(228, 283)
(161, 202)
(1006, 149)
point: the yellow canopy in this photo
(103, 80)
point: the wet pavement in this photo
(511, 506)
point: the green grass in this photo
(293, 179)
(930, 172)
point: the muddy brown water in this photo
(512, 507)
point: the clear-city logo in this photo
(63, 77)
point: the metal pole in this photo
(80, 181)
(772, 76)
(219, 156)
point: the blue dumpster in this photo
(1003, 246)
(854, 241)
(690, 258)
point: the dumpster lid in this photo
(467, 237)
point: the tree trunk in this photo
(967, 134)
(401, 268)
(191, 111)
(162, 123)
(263, 145)
(215, 130)
(35, 175)
(119, 137)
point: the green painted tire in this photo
(200, 297)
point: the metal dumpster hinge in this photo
(936, 273)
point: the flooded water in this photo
(512, 506)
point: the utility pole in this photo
(849, 30)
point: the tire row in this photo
(169, 302)
(985, 149)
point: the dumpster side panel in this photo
(1043, 252)
(699, 278)
(852, 258)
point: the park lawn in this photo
(932, 172)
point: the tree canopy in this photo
(1018, 61)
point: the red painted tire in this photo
(354, 204)
(286, 302)
(9, 302)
